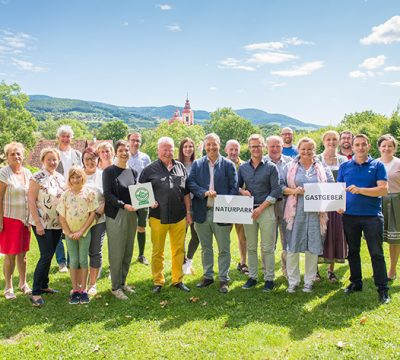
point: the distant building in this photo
(187, 117)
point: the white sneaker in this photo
(63, 268)
(119, 294)
(128, 289)
(291, 289)
(187, 267)
(307, 288)
(92, 290)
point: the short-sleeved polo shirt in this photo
(362, 175)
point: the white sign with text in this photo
(233, 209)
(142, 195)
(324, 197)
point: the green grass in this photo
(243, 324)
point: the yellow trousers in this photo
(177, 234)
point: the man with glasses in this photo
(258, 177)
(139, 161)
(288, 148)
(345, 140)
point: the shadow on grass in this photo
(327, 307)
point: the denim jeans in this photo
(60, 253)
(47, 246)
(372, 227)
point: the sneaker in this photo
(75, 298)
(249, 283)
(142, 259)
(384, 297)
(92, 290)
(84, 298)
(268, 286)
(62, 268)
(187, 267)
(128, 289)
(307, 288)
(291, 289)
(119, 294)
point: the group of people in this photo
(82, 197)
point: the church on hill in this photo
(187, 117)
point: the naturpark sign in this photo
(231, 209)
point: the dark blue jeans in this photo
(372, 227)
(60, 253)
(47, 246)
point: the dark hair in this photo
(134, 133)
(120, 143)
(181, 157)
(345, 132)
(363, 136)
(387, 137)
(91, 151)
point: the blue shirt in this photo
(362, 175)
(139, 161)
(290, 151)
(262, 181)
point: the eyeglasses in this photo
(89, 159)
(287, 134)
(255, 147)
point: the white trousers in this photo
(293, 268)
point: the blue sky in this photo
(313, 60)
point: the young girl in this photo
(77, 214)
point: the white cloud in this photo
(373, 62)
(357, 74)
(385, 33)
(271, 58)
(296, 41)
(274, 45)
(392, 68)
(392, 84)
(164, 7)
(125, 23)
(174, 28)
(232, 63)
(280, 84)
(213, 88)
(15, 41)
(302, 70)
(28, 66)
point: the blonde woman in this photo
(14, 215)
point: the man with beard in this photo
(288, 148)
(345, 140)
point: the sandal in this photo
(392, 278)
(9, 294)
(332, 277)
(36, 302)
(26, 290)
(317, 277)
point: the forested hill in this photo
(143, 117)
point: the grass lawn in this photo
(203, 324)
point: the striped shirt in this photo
(15, 201)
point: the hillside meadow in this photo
(203, 324)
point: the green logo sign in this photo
(142, 196)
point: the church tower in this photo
(187, 113)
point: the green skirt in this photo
(391, 213)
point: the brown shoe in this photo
(223, 287)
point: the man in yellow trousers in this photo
(168, 178)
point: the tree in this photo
(16, 122)
(113, 130)
(176, 131)
(48, 128)
(229, 125)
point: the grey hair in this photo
(65, 129)
(212, 136)
(274, 137)
(232, 142)
(165, 139)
